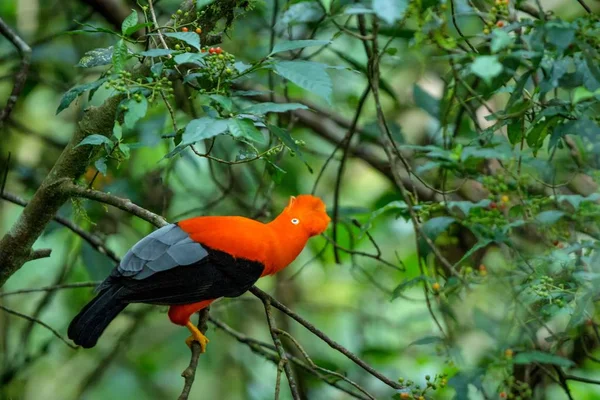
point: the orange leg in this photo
(180, 315)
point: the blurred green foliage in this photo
(493, 105)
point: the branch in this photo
(40, 253)
(21, 76)
(92, 240)
(107, 198)
(283, 359)
(39, 322)
(260, 348)
(333, 344)
(189, 374)
(51, 288)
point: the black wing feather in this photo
(217, 275)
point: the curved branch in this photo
(332, 343)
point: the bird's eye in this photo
(295, 221)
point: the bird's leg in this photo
(196, 336)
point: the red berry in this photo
(184, 29)
(493, 205)
(198, 30)
(503, 395)
(500, 24)
(211, 50)
(218, 50)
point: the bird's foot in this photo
(196, 336)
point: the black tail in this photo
(88, 325)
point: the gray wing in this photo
(163, 249)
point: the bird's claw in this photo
(201, 339)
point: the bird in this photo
(189, 264)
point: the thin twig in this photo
(281, 350)
(325, 370)
(91, 239)
(39, 322)
(21, 76)
(51, 288)
(332, 343)
(260, 348)
(340, 174)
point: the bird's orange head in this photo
(308, 213)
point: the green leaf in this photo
(135, 111)
(117, 131)
(74, 92)
(96, 58)
(406, 284)
(515, 133)
(308, 75)
(195, 58)
(549, 217)
(396, 205)
(223, 101)
(94, 140)
(287, 140)
(136, 28)
(191, 38)
(581, 313)
(560, 33)
(436, 226)
(264, 108)
(203, 128)
(124, 148)
(244, 127)
(486, 67)
(426, 340)
(156, 52)
(203, 3)
(296, 44)
(354, 9)
(535, 137)
(129, 22)
(427, 102)
(119, 56)
(500, 40)
(275, 172)
(299, 13)
(100, 165)
(542, 358)
(390, 11)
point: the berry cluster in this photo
(497, 16)
(416, 392)
(124, 83)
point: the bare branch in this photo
(21, 76)
(281, 351)
(124, 204)
(39, 322)
(40, 253)
(93, 240)
(51, 288)
(333, 344)
(189, 374)
(259, 347)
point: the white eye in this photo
(295, 221)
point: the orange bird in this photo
(194, 262)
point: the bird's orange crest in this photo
(309, 212)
